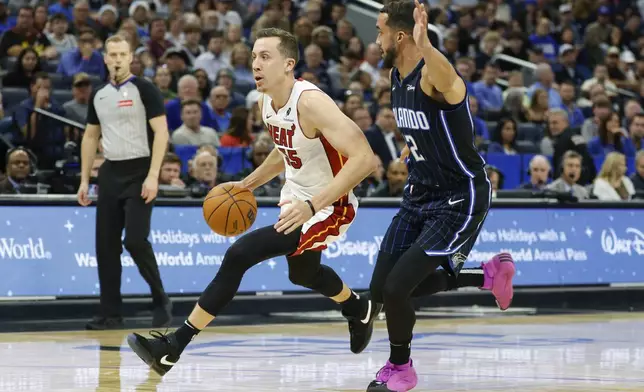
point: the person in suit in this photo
(18, 169)
(570, 173)
(381, 136)
(539, 172)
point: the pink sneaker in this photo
(498, 278)
(394, 378)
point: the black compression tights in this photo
(436, 282)
(413, 274)
(263, 244)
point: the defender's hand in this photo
(420, 28)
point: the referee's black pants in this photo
(120, 206)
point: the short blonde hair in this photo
(116, 38)
(609, 167)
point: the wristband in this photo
(310, 205)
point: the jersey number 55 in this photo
(291, 158)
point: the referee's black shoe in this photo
(100, 323)
(361, 327)
(161, 352)
(162, 315)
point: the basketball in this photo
(229, 210)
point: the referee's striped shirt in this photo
(123, 112)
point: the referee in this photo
(128, 116)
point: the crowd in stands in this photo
(571, 121)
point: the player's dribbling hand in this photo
(149, 189)
(239, 184)
(82, 193)
(293, 217)
(420, 28)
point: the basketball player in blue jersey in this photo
(447, 196)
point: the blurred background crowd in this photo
(556, 88)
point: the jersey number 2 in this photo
(413, 148)
(291, 158)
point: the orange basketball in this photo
(229, 210)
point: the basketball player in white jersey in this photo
(325, 156)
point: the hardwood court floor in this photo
(600, 352)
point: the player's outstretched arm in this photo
(319, 112)
(438, 73)
(271, 167)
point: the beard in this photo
(390, 57)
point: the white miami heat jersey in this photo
(310, 164)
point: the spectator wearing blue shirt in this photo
(504, 138)
(544, 40)
(466, 68)
(240, 62)
(218, 103)
(567, 22)
(489, 95)
(226, 78)
(568, 96)
(45, 136)
(7, 22)
(64, 7)
(568, 69)
(545, 79)
(480, 127)
(84, 59)
(611, 138)
(188, 88)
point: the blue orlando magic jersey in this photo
(440, 136)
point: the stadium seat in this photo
(233, 159)
(6, 126)
(530, 131)
(61, 96)
(483, 147)
(527, 147)
(8, 63)
(185, 153)
(12, 96)
(50, 66)
(510, 166)
(60, 81)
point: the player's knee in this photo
(236, 257)
(302, 276)
(394, 291)
(384, 264)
